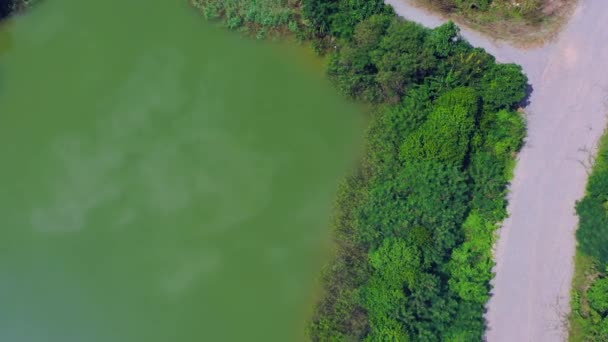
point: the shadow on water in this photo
(6, 43)
(6, 7)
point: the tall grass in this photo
(255, 16)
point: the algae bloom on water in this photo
(161, 180)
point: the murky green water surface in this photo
(160, 180)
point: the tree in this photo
(401, 58)
(392, 124)
(472, 262)
(505, 133)
(487, 173)
(396, 264)
(598, 296)
(504, 86)
(592, 234)
(351, 67)
(319, 13)
(369, 33)
(593, 224)
(352, 12)
(446, 134)
(444, 39)
(424, 196)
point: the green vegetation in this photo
(589, 318)
(259, 17)
(414, 226)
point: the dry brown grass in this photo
(504, 20)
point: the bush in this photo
(598, 296)
(472, 262)
(506, 133)
(446, 134)
(385, 58)
(340, 17)
(593, 210)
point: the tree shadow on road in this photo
(526, 101)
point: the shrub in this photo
(598, 296)
(593, 224)
(504, 86)
(438, 148)
(446, 134)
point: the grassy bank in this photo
(589, 317)
(260, 18)
(414, 225)
(524, 22)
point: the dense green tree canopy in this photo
(446, 134)
(504, 85)
(432, 186)
(593, 211)
(598, 296)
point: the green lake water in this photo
(161, 180)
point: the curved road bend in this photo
(566, 117)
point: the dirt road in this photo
(566, 117)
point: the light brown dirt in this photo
(553, 7)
